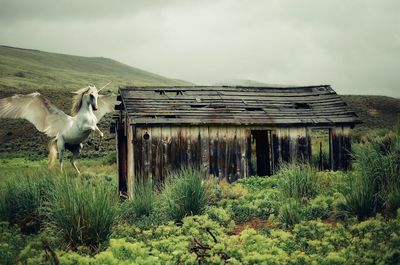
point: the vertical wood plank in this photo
(284, 144)
(122, 159)
(340, 144)
(276, 150)
(138, 153)
(214, 144)
(130, 158)
(205, 150)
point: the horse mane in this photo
(77, 99)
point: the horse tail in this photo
(52, 153)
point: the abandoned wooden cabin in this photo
(160, 129)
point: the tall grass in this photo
(375, 184)
(143, 198)
(299, 181)
(140, 207)
(21, 199)
(82, 211)
(185, 193)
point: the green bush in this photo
(221, 216)
(258, 183)
(82, 211)
(255, 197)
(185, 193)
(21, 198)
(11, 243)
(319, 207)
(299, 181)
(290, 213)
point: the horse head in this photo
(88, 95)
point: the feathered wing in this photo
(105, 104)
(38, 110)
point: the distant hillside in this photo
(375, 111)
(23, 69)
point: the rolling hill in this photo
(24, 71)
(29, 70)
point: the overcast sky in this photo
(352, 45)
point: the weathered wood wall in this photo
(340, 147)
(218, 151)
(291, 145)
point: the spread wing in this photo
(38, 110)
(105, 104)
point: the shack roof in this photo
(265, 106)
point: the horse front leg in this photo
(97, 148)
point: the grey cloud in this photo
(353, 45)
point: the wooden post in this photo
(121, 159)
(276, 151)
(320, 157)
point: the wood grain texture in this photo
(196, 105)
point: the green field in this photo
(299, 216)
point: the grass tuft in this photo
(21, 199)
(82, 211)
(374, 185)
(185, 193)
(299, 181)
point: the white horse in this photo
(67, 132)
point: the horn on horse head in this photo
(104, 86)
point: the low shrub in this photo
(299, 181)
(252, 202)
(290, 213)
(11, 243)
(221, 216)
(320, 207)
(258, 183)
(82, 211)
(185, 193)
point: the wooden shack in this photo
(161, 129)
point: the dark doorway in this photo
(261, 151)
(320, 149)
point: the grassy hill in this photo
(377, 112)
(28, 70)
(22, 71)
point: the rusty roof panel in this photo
(306, 105)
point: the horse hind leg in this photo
(75, 153)
(61, 149)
